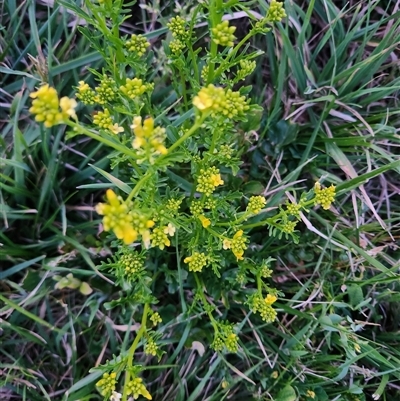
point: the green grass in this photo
(330, 86)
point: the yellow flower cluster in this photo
(148, 139)
(223, 35)
(196, 262)
(177, 27)
(137, 388)
(289, 226)
(155, 318)
(293, 209)
(107, 383)
(324, 196)
(237, 244)
(276, 11)
(231, 342)
(132, 263)
(50, 110)
(150, 347)
(104, 120)
(106, 91)
(256, 203)
(265, 271)
(225, 337)
(246, 68)
(264, 307)
(226, 151)
(173, 205)
(159, 236)
(204, 73)
(126, 225)
(135, 87)
(176, 46)
(137, 44)
(85, 93)
(217, 101)
(196, 208)
(208, 180)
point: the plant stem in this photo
(132, 350)
(117, 146)
(221, 68)
(138, 186)
(215, 10)
(204, 300)
(183, 138)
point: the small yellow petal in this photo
(270, 299)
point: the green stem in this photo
(117, 146)
(204, 300)
(215, 10)
(138, 186)
(184, 94)
(214, 233)
(132, 350)
(214, 140)
(222, 67)
(190, 44)
(183, 138)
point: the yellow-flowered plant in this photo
(174, 212)
(49, 109)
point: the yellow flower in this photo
(209, 97)
(223, 35)
(46, 106)
(310, 394)
(126, 225)
(146, 237)
(170, 230)
(204, 221)
(159, 238)
(216, 179)
(137, 388)
(227, 243)
(68, 107)
(270, 299)
(149, 140)
(238, 245)
(324, 196)
(208, 180)
(196, 261)
(256, 203)
(107, 383)
(216, 101)
(116, 129)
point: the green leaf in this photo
(117, 182)
(288, 393)
(253, 187)
(282, 133)
(85, 289)
(356, 295)
(253, 119)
